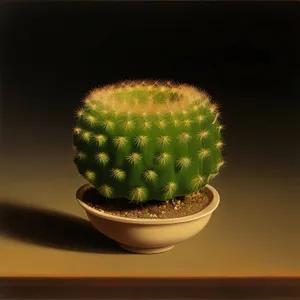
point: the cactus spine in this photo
(147, 140)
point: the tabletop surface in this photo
(44, 232)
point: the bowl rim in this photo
(208, 210)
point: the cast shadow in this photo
(52, 229)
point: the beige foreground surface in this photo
(44, 232)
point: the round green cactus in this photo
(148, 140)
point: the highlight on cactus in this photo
(148, 140)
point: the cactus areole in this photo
(147, 140)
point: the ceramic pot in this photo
(149, 236)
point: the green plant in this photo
(148, 140)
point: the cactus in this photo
(147, 140)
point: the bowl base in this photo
(146, 250)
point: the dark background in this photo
(246, 55)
